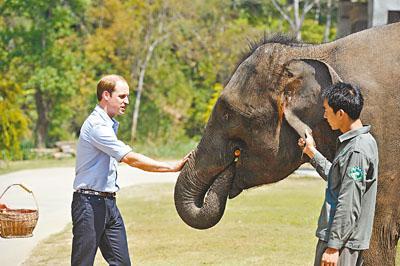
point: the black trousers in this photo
(97, 222)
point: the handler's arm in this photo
(348, 209)
(150, 165)
(320, 163)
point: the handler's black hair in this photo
(345, 96)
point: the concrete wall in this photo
(378, 11)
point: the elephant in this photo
(272, 98)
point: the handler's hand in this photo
(330, 257)
(179, 165)
(308, 145)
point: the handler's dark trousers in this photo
(347, 257)
(96, 223)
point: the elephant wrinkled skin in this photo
(272, 97)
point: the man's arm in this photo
(320, 163)
(150, 165)
(104, 139)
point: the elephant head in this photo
(251, 137)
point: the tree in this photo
(155, 31)
(294, 14)
(42, 35)
(13, 123)
(142, 28)
(139, 29)
(328, 20)
(172, 52)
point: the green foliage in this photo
(13, 122)
(57, 50)
(166, 149)
(211, 51)
(42, 36)
(313, 32)
(217, 92)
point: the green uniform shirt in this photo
(348, 211)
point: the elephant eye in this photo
(226, 116)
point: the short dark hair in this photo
(345, 96)
(108, 83)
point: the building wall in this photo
(378, 11)
(352, 17)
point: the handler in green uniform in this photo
(345, 223)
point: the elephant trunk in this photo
(200, 201)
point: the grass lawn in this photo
(269, 225)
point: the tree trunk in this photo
(42, 109)
(328, 20)
(297, 23)
(139, 89)
(318, 10)
(135, 115)
(42, 122)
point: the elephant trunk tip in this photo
(202, 207)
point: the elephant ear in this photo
(304, 80)
(334, 76)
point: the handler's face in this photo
(119, 100)
(332, 117)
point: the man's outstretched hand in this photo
(148, 164)
(179, 165)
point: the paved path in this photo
(53, 190)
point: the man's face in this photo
(118, 101)
(334, 119)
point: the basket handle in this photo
(26, 189)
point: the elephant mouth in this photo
(223, 184)
(236, 189)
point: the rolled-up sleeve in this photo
(348, 209)
(321, 165)
(104, 138)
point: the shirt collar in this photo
(110, 121)
(354, 133)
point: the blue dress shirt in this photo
(98, 153)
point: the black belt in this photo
(96, 193)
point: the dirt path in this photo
(53, 190)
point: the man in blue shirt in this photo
(345, 223)
(96, 219)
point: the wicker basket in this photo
(16, 223)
